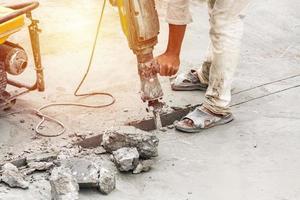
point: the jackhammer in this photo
(140, 24)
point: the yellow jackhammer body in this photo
(140, 24)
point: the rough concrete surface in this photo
(107, 181)
(40, 166)
(84, 171)
(126, 159)
(254, 157)
(12, 177)
(41, 157)
(63, 185)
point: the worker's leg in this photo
(203, 72)
(226, 31)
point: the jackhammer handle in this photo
(21, 9)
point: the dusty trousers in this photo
(226, 31)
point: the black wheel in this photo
(3, 78)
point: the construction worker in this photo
(216, 74)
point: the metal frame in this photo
(21, 9)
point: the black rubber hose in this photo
(21, 9)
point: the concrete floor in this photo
(255, 157)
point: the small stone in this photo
(126, 159)
(99, 150)
(63, 185)
(22, 121)
(40, 166)
(125, 110)
(143, 166)
(107, 181)
(28, 171)
(12, 177)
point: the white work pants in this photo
(226, 30)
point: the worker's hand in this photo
(169, 64)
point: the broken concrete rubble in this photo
(41, 157)
(84, 171)
(143, 166)
(87, 174)
(107, 181)
(126, 159)
(19, 162)
(63, 185)
(12, 177)
(99, 150)
(126, 136)
(27, 171)
(40, 166)
(126, 145)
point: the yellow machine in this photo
(13, 58)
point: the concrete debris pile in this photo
(132, 149)
(127, 149)
(14, 173)
(146, 143)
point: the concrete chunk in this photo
(40, 166)
(63, 185)
(143, 166)
(107, 181)
(12, 177)
(126, 136)
(99, 150)
(84, 171)
(41, 157)
(126, 159)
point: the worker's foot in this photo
(187, 82)
(201, 118)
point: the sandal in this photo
(188, 82)
(201, 119)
